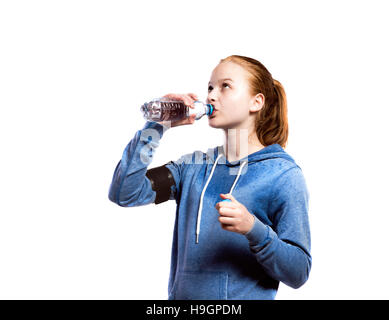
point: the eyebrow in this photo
(222, 80)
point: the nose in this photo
(211, 98)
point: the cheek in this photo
(236, 110)
(237, 101)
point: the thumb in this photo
(229, 196)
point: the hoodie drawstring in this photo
(237, 177)
(201, 199)
(203, 192)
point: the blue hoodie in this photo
(208, 262)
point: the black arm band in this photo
(161, 181)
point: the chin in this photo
(213, 123)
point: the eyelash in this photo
(223, 84)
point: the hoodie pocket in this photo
(201, 285)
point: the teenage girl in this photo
(241, 221)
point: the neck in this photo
(239, 143)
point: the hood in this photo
(270, 152)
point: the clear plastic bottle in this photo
(163, 109)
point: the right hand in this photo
(188, 99)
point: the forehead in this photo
(228, 70)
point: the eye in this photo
(224, 84)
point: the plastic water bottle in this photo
(163, 109)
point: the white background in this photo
(73, 75)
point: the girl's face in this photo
(228, 92)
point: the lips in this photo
(213, 114)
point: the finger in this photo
(189, 101)
(178, 97)
(193, 96)
(186, 98)
(227, 212)
(225, 204)
(192, 118)
(171, 96)
(220, 205)
(227, 220)
(228, 227)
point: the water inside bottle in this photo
(173, 110)
(165, 110)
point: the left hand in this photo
(233, 215)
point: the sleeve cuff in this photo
(258, 233)
(157, 126)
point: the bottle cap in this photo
(210, 109)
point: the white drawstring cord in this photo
(201, 200)
(237, 177)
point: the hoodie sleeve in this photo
(130, 187)
(284, 250)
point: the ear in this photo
(257, 102)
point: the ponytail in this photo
(271, 124)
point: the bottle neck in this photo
(208, 108)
